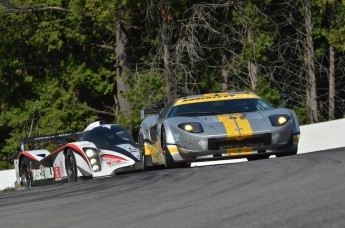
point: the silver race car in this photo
(216, 126)
(100, 150)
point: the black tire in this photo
(258, 157)
(168, 160)
(294, 152)
(71, 167)
(25, 173)
(183, 165)
(143, 157)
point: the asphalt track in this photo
(306, 190)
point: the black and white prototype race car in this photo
(100, 150)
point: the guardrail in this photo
(314, 137)
(7, 178)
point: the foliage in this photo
(147, 89)
(58, 64)
(268, 92)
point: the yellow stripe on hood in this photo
(236, 126)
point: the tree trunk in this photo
(122, 69)
(225, 72)
(331, 78)
(169, 90)
(252, 69)
(253, 74)
(309, 61)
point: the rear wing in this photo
(154, 109)
(148, 111)
(46, 138)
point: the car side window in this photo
(166, 109)
(262, 105)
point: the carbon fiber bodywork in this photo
(217, 126)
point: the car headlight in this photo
(95, 168)
(279, 120)
(91, 153)
(192, 127)
(93, 161)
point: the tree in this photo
(310, 66)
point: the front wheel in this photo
(168, 159)
(71, 166)
(294, 152)
(258, 157)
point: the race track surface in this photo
(306, 190)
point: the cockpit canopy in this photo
(107, 135)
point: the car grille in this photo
(225, 143)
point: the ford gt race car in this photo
(100, 150)
(216, 126)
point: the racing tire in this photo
(143, 157)
(71, 166)
(25, 174)
(258, 157)
(184, 165)
(143, 160)
(168, 159)
(294, 152)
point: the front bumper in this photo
(227, 148)
(128, 169)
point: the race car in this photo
(225, 125)
(100, 150)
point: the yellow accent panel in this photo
(152, 150)
(213, 97)
(240, 151)
(149, 149)
(172, 149)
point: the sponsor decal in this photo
(112, 161)
(213, 97)
(57, 173)
(43, 173)
(128, 147)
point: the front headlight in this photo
(95, 168)
(91, 153)
(192, 127)
(279, 120)
(93, 161)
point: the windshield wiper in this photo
(204, 113)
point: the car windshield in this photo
(105, 136)
(220, 107)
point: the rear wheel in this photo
(26, 177)
(71, 166)
(168, 160)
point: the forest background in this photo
(67, 63)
